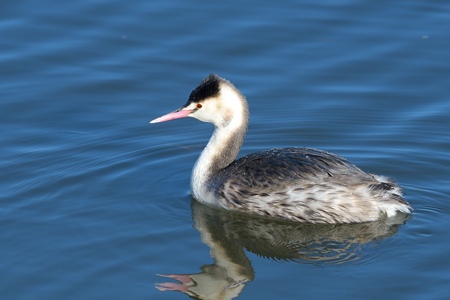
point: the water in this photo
(94, 201)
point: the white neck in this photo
(223, 147)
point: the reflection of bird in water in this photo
(229, 233)
(297, 184)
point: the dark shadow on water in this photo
(229, 234)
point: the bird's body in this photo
(297, 184)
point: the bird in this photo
(296, 184)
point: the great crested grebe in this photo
(297, 184)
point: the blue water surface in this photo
(95, 203)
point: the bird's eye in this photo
(199, 105)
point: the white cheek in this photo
(201, 115)
(208, 112)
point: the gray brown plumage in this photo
(297, 184)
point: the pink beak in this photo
(179, 113)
